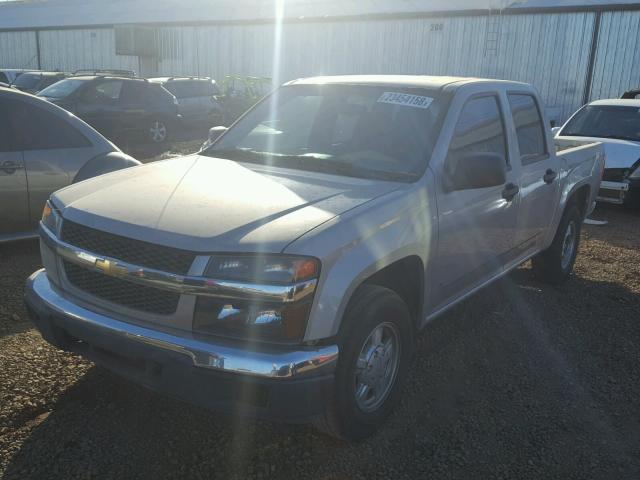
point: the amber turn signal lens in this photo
(46, 212)
(306, 269)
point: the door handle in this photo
(510, 191)
(549, 176)
(10, 166)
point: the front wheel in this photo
(375, 352)
(556, 263)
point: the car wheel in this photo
(556, 263)
(157, 131)
(375, 352)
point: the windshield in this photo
(28, 80)
(605, 122)
(365, 131)
(63, 88)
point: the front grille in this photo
(128, 250)
(121, 292)
(614, 174)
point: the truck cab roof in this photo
(419, 81)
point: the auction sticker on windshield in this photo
(405, 99)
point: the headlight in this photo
(257, 319)
(50, 217)
(270, 269)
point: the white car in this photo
(616, 124)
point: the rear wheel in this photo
(157, 131)
(556, 263)
(375, 351)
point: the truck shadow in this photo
(521, 381)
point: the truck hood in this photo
(618, 153)
(209, 204)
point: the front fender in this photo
(105, 163)
(361, 242)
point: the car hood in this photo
(209, 204)
(618, 153)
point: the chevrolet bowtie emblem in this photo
(110, 268)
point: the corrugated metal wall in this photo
(617, 63)
(18, 50)
(550, 50)
(70, 50)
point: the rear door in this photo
(135, 105)
(539, 183)
(188, 93)
(53, 151)
(14, 197)
(209, 106)
(476, 226)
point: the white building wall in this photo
(549, 50)
(18, 50)
(617, 64)
(70, 50)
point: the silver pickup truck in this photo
(285, 270)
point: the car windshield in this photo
(63, 88)
(28, 80)
(383, 132)
(605, 121)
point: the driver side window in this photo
(479, 130)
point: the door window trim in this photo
(534, 158)
(499, 102)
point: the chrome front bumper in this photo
(613, 192)
(267, 362)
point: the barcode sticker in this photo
(405, 99)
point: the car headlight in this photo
(50, 217)
(256, 319)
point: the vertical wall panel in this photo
(70, 50)
(18, 50)
(617, 62)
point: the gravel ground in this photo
(521, 381)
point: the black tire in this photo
(372, 306)
(552, 265)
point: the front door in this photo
(98, 105)
(14, 193)
(477, 225)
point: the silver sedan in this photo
(44, 148)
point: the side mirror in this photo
(478, 170)
(215, 132)
(555, 130)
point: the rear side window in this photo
(205, 88)
(34, 128)
(105, 92)
(191, 88)
(480, 129)
(529, 128)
